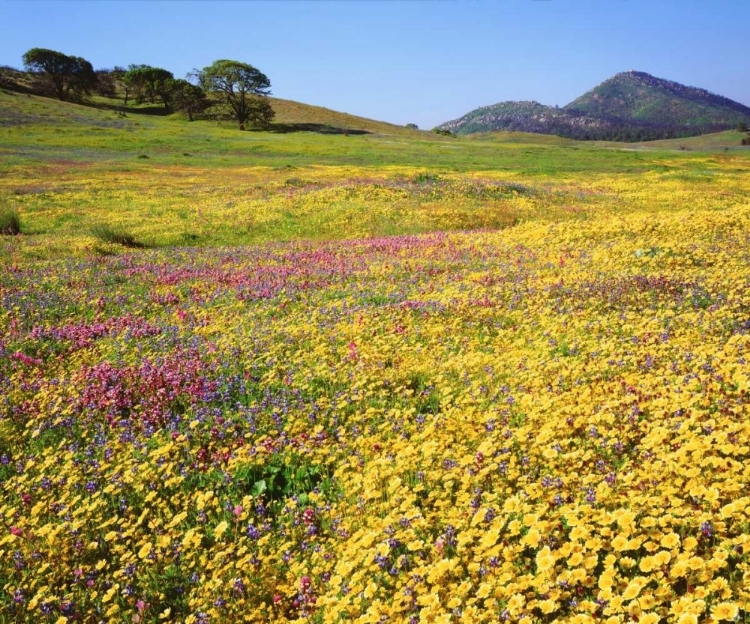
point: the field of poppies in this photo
(500, 382)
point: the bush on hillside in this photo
(116, 236)
(10, 221)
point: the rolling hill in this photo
(630, 106)
(291, 116)
(299, 116)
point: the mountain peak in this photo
(641, 97)
(631, 105)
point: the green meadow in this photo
(81, 178)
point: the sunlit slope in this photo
(35, 129)
(291, 115)
(68, 170)
(730, 139)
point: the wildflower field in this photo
(426, 392)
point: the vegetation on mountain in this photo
(231, 89)
(528, 117)
(631, 106)
(107, 81)
(638, 96)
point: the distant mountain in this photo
(631, 106)
(642, 97)
(530, 117)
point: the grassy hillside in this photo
(729, 139)
(296, 116)
(524, 138)
(290, 116)
(72, 171)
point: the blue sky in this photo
(403, 61)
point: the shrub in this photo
(425, 178)
(10, 222)
(116, 236)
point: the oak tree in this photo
(68, 76)
(241, 89)
(149, 84)
(188, 97)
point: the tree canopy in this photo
(241, 88)
(150, 84)
(67, 75)
(187, 97)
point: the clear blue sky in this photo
(403, 61)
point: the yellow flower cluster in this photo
(544, 423)
(63, 204)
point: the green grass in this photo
(116, 236)
(37, 130)
(102, 179)
(729, 139)
(10, 221)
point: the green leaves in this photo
(235, 77)
(66, 74)
(282, 478)
(187, 97)
(150, 84)
(241, 89)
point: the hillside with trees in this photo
(224, 90)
